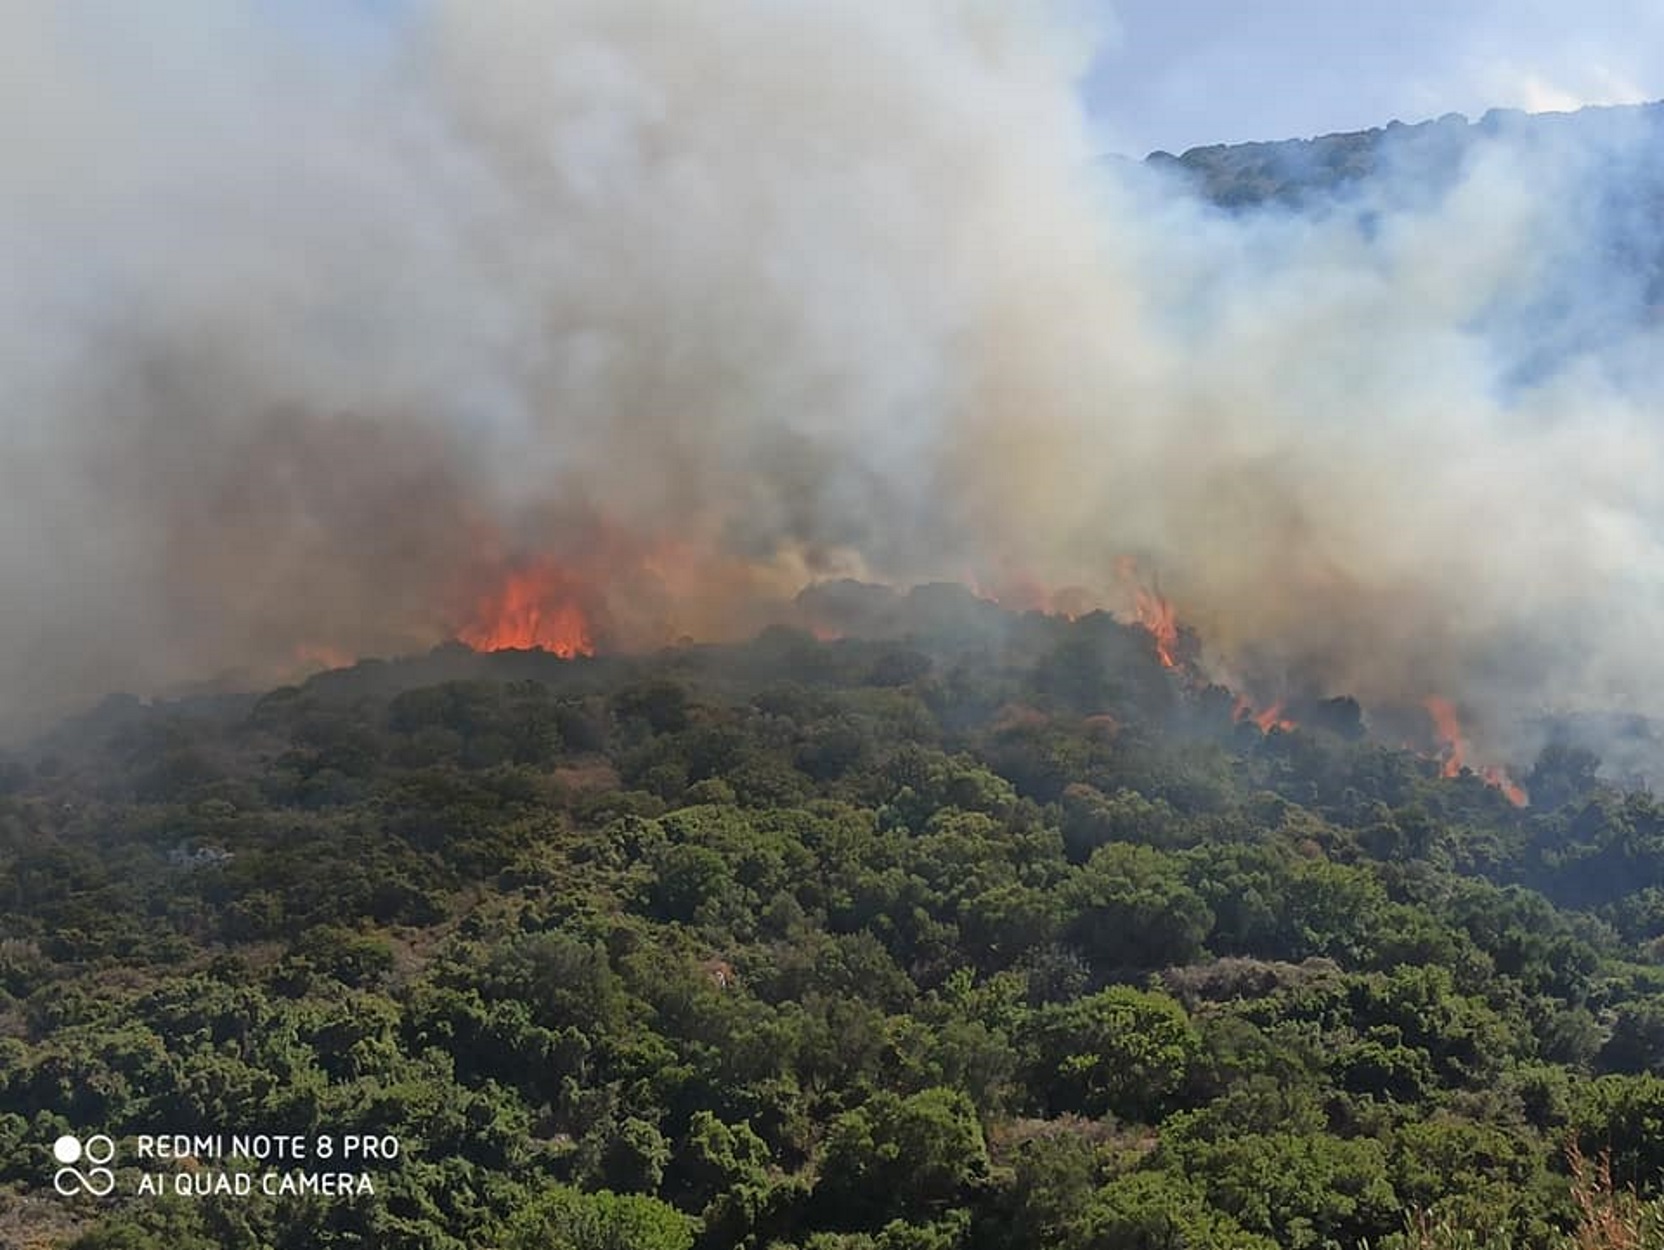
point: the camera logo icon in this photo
(97, 1180)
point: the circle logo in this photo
(97, 1180)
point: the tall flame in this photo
(537, 605)
(1154, 612)
(1499, 779)
(1448, 729)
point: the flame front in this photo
(1271, 718)
(1499, 779)
(1448, 730)
(1447, 727)
(1156, 615)
(1154, 612)
(315, 656)
(1022, 592)
(545, 604)
(537, 605)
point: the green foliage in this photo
(1158, 1211)
(1002, 939)
(900, 1157)
(562, 1218)
(1306, 1190)
(1122, 1052)
(1624, 1116)
(1132, 910)
(1637, 1041)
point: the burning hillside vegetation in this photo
(640, 342)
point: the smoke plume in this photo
(319, 326)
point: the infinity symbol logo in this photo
(97, 1150)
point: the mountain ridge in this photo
(1296, 171)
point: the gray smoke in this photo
(311, 335)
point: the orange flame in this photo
(1498, 779)
(1269, 719)
(310, 655)
(1016, 592)
(1156, 615)
(1021, 592)
(1448, 729)
(1154, 612)
(1273, 718)
(538, 605)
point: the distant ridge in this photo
(1295, 172)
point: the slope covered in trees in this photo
(995, 935)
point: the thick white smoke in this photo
(311, 329)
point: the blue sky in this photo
(1174, 74)
(1178, 73)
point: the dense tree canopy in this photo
(983, 941)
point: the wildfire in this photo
(537, 605)
(1153, 611)
(1499, 779)
(1447, 727)
(1273, 718)
(1017, 592)
(1156, 615)
(313, 656)
(549, 604)
(1020, 592)
(1268, 719)
(1448, 730)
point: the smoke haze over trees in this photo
(308, 347)
(698, 398)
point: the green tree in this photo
(1625, 1115)
(900, 1158)
(562, 1218)
(1122, 1051)
(1637, 1042)
(1132, 909)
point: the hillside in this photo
(1421, 158)
(996, 933)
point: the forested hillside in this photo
(998, 934)
(1407, 161)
